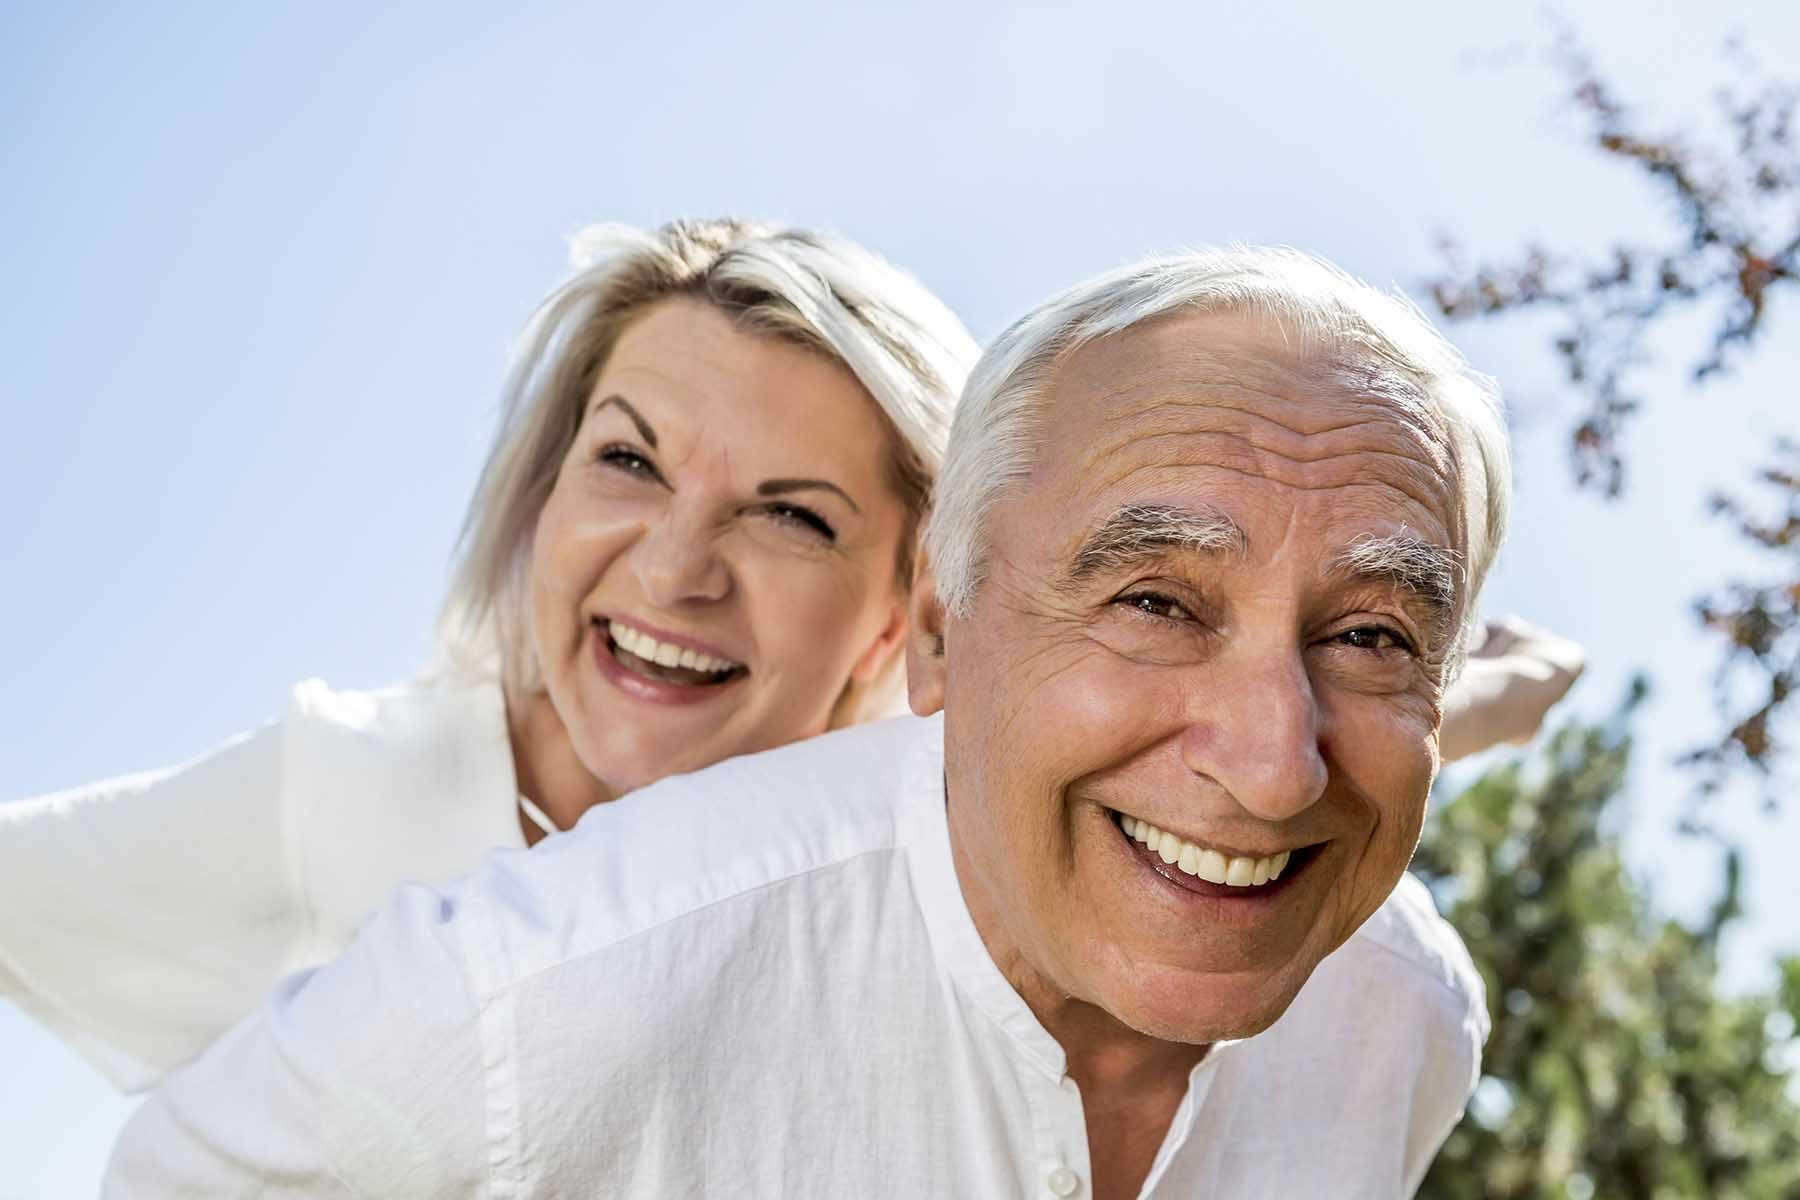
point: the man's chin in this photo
(1197, 1010)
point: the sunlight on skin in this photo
(1260, 699)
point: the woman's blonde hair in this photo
(810, 289)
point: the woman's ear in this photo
(881, 651)
(925, 658)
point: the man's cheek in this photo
(1391, 850)
(1103, 700)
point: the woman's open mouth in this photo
(637, 656)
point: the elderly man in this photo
(1123, 914)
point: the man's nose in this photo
(1253, 730)
(677, 559)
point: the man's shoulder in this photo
(1409, 927)
(1410, 943)
(736, 830)
(1398, 1012)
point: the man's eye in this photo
(624, 458)
(1375, 638)
(1155, 604)
(800, 517)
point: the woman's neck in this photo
(547, 768)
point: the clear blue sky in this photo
(261, 269)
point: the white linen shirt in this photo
(762, 980)
(141, 917)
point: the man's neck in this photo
(1131, 1083)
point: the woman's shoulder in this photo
(422, 745)
(424, 707)
(431, 732)
(413, 782)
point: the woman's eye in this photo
(798, 517)
(624, 458)
(1374, 638)
(1155, 604)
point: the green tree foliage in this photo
(1618, 1065)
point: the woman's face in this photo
(716, 560)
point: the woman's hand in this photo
(1511, 680)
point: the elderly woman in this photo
(690, 541)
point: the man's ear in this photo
(925, 658)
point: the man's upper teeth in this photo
(663, 654)
(1208, 864)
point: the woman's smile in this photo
(660, 667)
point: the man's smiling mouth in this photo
(1209, 870)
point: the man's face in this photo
(1215, 617)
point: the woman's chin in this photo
(637, 730)
(630, 751)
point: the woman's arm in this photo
(1509, 684)
(144, 915)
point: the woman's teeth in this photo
(663, 654)
(1207, 864)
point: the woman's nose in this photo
(677, 561)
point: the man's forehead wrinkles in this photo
(1421, 510)
(1142, 399)
(1371, 423)
(1268, 372)
(1139, 448)
(1175, 359)
(1111, 465)
(1338, 423)
(1311, 398)
(1323, 448)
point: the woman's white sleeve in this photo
(142, 916)
(364, 1077)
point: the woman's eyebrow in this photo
(637, 418)
(775, 487)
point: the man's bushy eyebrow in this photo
(1405, 560)
(1141, 533)
(1138, 533)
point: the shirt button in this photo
(1063, 1182)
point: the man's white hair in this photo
(1392, 350)
(815, 290)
